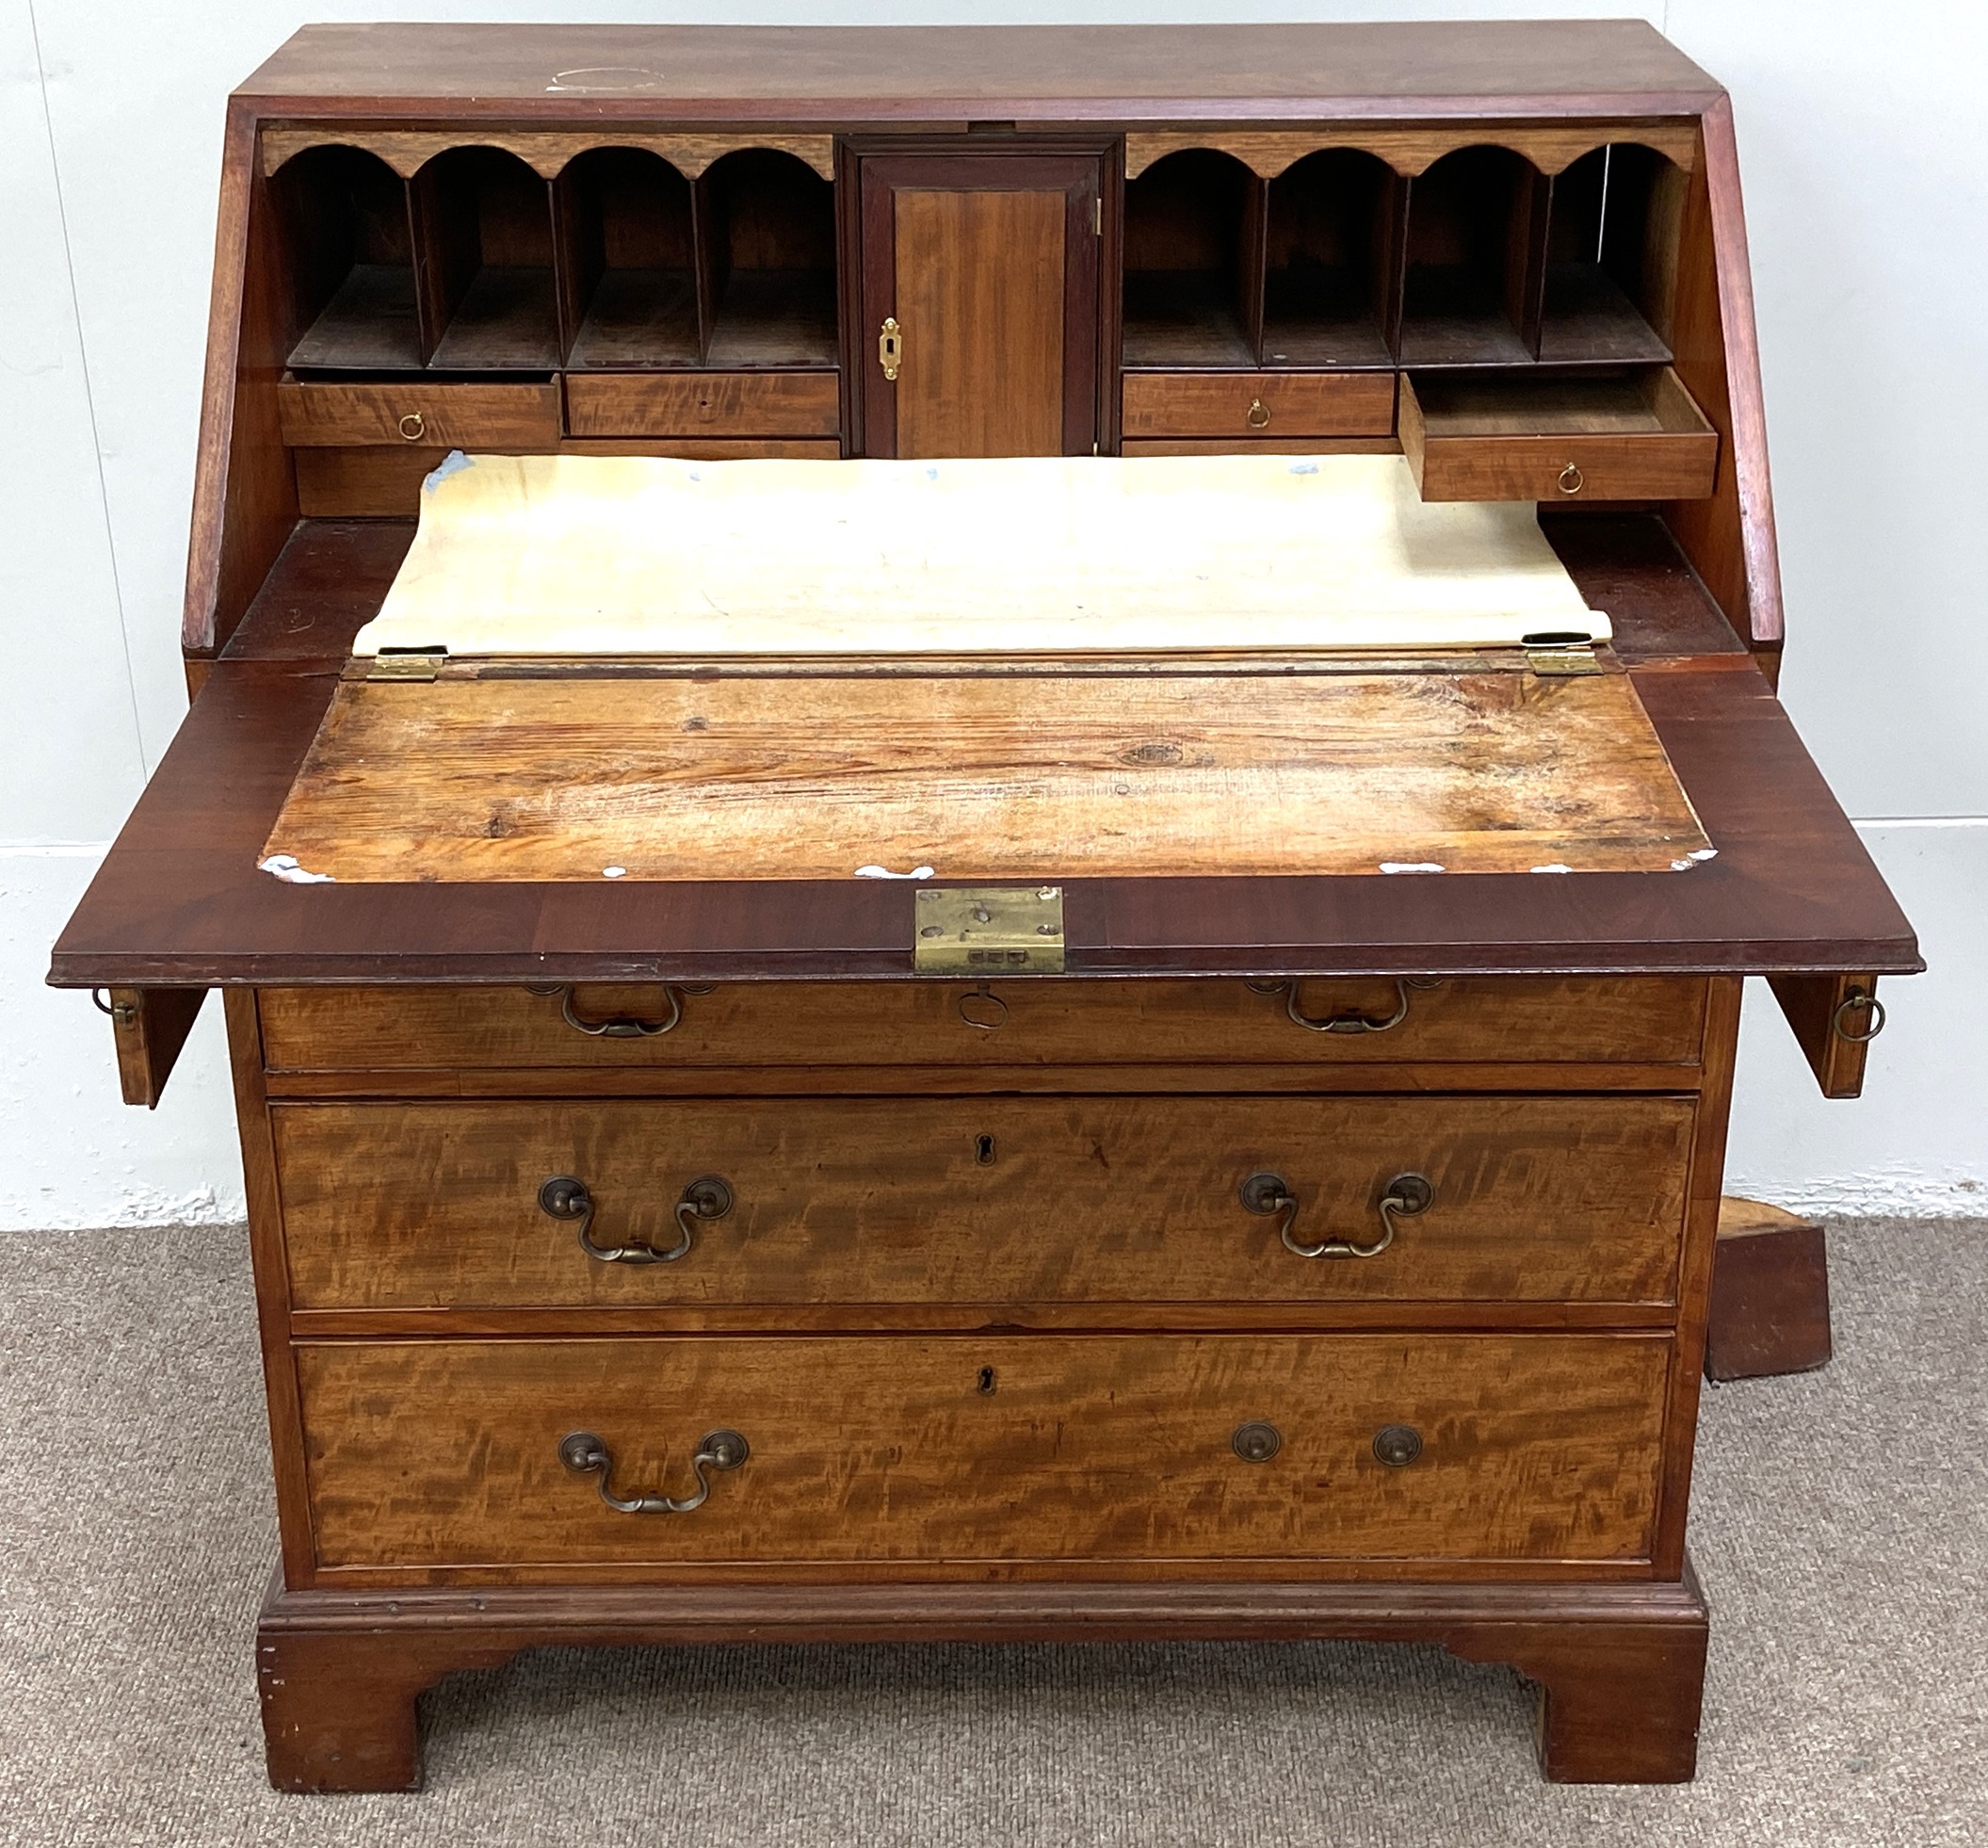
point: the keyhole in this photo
(986, 1383)
(984, 1150)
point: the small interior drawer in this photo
(1259, 406)
(702, 404)
(419, 413)
(1637, 436)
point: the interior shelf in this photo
(1603, 276)
(1474, 220)
(1331, 262)
(353, 261)
(1193, 293)
(767, 225)
(629, 251)
(484, 220)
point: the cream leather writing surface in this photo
(616, 556)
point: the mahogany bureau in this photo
(1314, 1257)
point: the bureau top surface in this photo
(1064, 73)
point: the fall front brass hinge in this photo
(407, 663)
(1561, 654)
(988, 929)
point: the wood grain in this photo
(1054, 777)
(990, 264)
(547, 150)
(1258, 406)
(1769, 1304)
(1618, 1666)
(1411, 148)
(1479, 439)
(178, 901)
(272, 1287)
(244, 494)
(148, 1027)
(1704, 1190)
(1158, 74)
(981, 298)
(1810, 1005)
(1730, 538)
(1038, 1022)
(1229, 446)
(447, 416)
(728, 405)
(994, 1201)
(427, 1456)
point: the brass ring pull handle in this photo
(1874, 1024)
(585, 1454)
(123, 1012)
(1258, 416)
(1402, 1198)
(414, 427)
(566, 1196)
(1571, 479)
(1342, 1023)
(626, 1025)
(982, 1008)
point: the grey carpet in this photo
(1840, 1528)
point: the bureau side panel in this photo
(272, 1285)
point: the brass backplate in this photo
(988, 929)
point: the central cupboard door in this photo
(981, 293)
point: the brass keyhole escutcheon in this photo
(889, 348)
(1257, 1442)
(984, 1151)
(1398, 1444)
(982, 1008)
(987, 1380)
(414, 427)
(1572, 479)
(1258, 416)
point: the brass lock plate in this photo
(988, 929)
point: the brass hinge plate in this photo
(407, 664)
(1562, 657)
(988, 929)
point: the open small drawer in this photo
(1637, 436)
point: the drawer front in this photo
(1503, 1020)
(1523, 440)
(702, 404)
(963, 1452)
(1658, 466)
(1258, 406)
(999, 1202)
(418, 415)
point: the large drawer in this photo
(1504, 1020)
(702, 403)
(420, 414)
(1258, 406)
(965, 1452)
(1005, 1202)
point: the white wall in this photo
(1860, 144)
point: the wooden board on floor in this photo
(563, 776)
